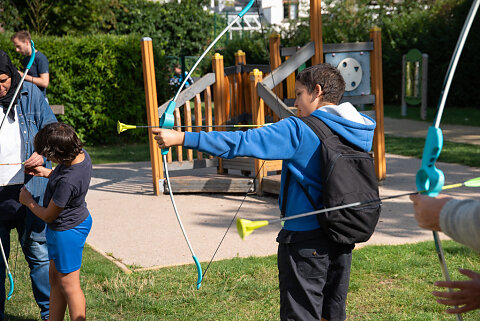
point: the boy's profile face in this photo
(306, 102)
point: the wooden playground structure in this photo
(254, 94)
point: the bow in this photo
(167, 121)
(429, 178)
(29, 65)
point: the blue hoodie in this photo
(292, 141)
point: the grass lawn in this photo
(387, 283)
(453, 116)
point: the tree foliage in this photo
(432, 26)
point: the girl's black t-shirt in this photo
(67, 187)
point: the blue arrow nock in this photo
(429, 178)
(167, 120)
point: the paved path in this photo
(139, 229)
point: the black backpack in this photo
(348, 176)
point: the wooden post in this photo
(377, 88)
(290, 84)
(208, 111)
(197, 104)
(152, 111)
(258, 117)
(240, 59)
(275, 62)
(218, 96)
(178, 122)
(316, 30)
(187, 121)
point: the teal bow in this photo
(429, 178)
(167, 121)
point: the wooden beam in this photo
(377, 88)
(152, 110)
(316, 30)
(258, 117)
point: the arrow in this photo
(121, 127)
(246, 227)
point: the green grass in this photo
(387, 283)
(453, 116)
(119, 153)
(465, 154)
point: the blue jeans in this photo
(36, 254)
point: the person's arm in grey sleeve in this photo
(460, 219)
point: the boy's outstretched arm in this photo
(168, 137)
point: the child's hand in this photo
(34, 161)
(467, 294)
(39, 171)
(25, 197)
(167, 137)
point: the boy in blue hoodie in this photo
(314, 272)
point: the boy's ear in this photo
(318, 91)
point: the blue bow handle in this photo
(429, 178)
(12, 285)
(167, 120)
(32, 57)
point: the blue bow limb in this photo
(12, 286)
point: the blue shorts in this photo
(65, 248)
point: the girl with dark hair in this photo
(65, 211)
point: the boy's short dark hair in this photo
(58, 141)
(21, 35)
(328, 77)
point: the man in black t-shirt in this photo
(38, 73)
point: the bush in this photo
(99, 80)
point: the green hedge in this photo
(99, 80)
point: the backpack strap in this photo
(318, 126)
(285, 194)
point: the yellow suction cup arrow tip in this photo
(121, 127)
(246, 227)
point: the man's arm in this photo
(41, 81)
